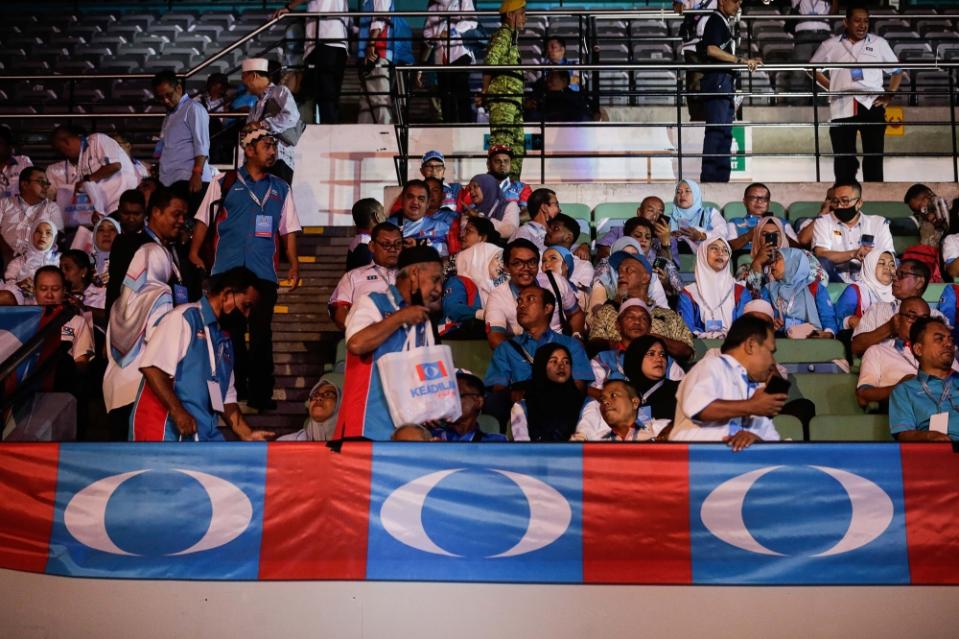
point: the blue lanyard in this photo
(946, 392)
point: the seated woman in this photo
(78, 271)
(104, 233)
(801, 303)
(690, 221)
(50, 290)
(768, 237)
(559, 261)
(42, 251)
(487, 201)
(712, 303)
(606, 279)
(552, 404)
(322, 406)
(465, 292)
(645, 364)
(875, 285)
(663, 260)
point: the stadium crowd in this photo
(171, 267)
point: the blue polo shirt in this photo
(184, 136)
(509, 366)
(914, 402)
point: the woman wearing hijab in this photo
(488, 202)
(144, 299)
(465, 294)
(800, 301)
(711, 304)
(322, 405)
(559, 261)
(753, 274)
(690, 220)
(552, 404)
(105, 231)
(875, 285)
(645, 366)
(42, 251)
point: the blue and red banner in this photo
(596, 513)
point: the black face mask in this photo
(499, 176)
(845, 214)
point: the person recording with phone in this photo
(838, 238)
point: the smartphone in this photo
(660, 263)
(867, 240)
(777, 385)
(771, 239)
(416, 298)
(663, 219)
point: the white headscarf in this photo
(870, 287)
(33, 258)
(144, 289)
(481, 263)
(101, 257)
(714, 292)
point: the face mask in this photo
(845, 214)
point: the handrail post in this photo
(679, 124)
(952, 120)
(815, 125)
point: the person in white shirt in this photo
(378, 276)
(723, 398)
(50, 288)
(445, 35)
(950, 251)
(21, 213)
(864, 114)
(616, 417)
(10, 165)
(891, 361)
(276, 109)
(103, 169)
(543, 207)
(805, 30)
(844, 237)
(324, 55)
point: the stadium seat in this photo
(576, 210)
(833, 394)
(614, 210)
(835, 290)
(887, 209)
(738, 209)
(933, 293)
(902, 242)
(473, 355)
(810, 355)
(488, 424)
(789, 427)
(803, 209)
(856, 428)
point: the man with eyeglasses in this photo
(254, 214)
(843, 238)
(188, 367)
(376, 277)
(543, 207)
(863, 109)
(439, 229)
(466, 428)
(756, 198)
(521, 259)
(20, 213)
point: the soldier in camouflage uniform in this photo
(503, 92)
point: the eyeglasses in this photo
(330, 394)
(757, 198)
(844, 201)
(901, 273)
(391, 246)
(41, 182)
(533, 263)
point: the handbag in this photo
(419, 383)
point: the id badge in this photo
(856, 75)
(645, 414)
(939, 423)
(180, 295)
(216, 395)
(714, 326)
(264, 226)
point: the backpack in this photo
(399, 50)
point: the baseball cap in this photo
(634, 302)
(433, 155)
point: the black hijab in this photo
(552, 410)
(662, 401)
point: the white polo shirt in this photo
(880, 313)
(98, 151)
(17, 219)
(950, 248)
(360, 282)
(332, 32)
(832, 235)
(711, 379)
(887, 362)
(871, 49)
(593, 428)
(501, 306)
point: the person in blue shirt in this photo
(439, 230)
(926, 407)
(512, 362)
(756, 199)
(188, 369)
(466, 428)
(949, 305)
(802, 305)
(255, 214)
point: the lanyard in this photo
(174, 260)
(652, 389)
(946, 392)
(712, 309)
(382, 276)
(209, 348)
(249, 190)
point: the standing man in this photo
(275, 109)
(379, 323)
(718, 46)
(95, 165)
(324, 55)
(20, 213)
(376, 49)
(503, 91)
(256, 213)
(10, 165)
(864, 114)
(184, 144)
(188, 369)
(376, 277)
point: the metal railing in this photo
(401, 90)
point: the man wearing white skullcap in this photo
(276, 109)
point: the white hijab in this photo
(714, 292)
(145, 288)
(482, 263)
(871, 289)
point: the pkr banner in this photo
(774, 514)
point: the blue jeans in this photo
(720, 111)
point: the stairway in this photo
(304, 336)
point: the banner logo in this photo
(429, 371)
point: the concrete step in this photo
(304, 336)
(296, 371)
(292, 394)
(297, 381)
(295, 357)
(279, 424)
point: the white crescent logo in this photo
(549, 513)
(872, 511)
(84, 516)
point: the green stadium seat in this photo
(887, 209)
(700, 346)
(803, 209)
(934, 292)
(796, 355)
(576, 210)
(789, 427)
(738, 209)
(488, 424)
(614, 211)
(835, 290)
(471, 354)
(902, 242)
(687, 262)
(850, 428)
(832, 393)
(744, 258)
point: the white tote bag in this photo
(420, 383)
